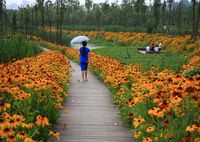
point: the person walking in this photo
(84, 56)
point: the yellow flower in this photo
(147, 140)
(150, 129)
(137, 134)
(6, 132)
(197, 139)
(11, 139)
(42, 121)
(138, 121)
(22, 135)
(55, 134)
(28, 140)
(192, 128)
(4, 106)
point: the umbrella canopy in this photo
(79, 39)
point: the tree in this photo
(14, 23)
(195, 19)
(2, 7)
(36, 18)
(98, 15)
(164, 6)
(156, 14)
(88, 5)
(170, 2)
(62, 7)
(140, 11)
(40, 4)
(57, 20)
(106, 12)
(49, 5)
(179, 15)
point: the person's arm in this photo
(90, 59)
(79, 54)
(89, 56)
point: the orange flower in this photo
(55, 134)
(4, 106)
(11, 138)
(192, 128)
(28, 140)
(22, 135)
(42, 121)
(6, 132)
(147, 140)
(150, 129)
(137, 134)
(138, 121)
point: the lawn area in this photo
(128, 54)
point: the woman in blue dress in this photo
(84, 56)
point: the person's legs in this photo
(83, 75)
(82, 70)
(86, 66)
(86, 75)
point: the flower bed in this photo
(32, 91)
(159, 106)
(170, 43)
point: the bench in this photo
(143, 51)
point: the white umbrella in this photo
(79, 39)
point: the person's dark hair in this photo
(84, 43)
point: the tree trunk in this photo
(14, 23)
(36, 20)
(1, 17)
(57, 21)
(137, 19)
(43, 30)
(32, 14)
(49, 22)
(26, 14)
(60, 27)
(179, 17)
(193, 19)
(197, 22)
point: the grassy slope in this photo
(130, 55)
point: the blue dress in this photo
(84, 58)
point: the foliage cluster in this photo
(32, 91)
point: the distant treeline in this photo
(166, 16)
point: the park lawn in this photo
(128, 54)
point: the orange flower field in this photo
(159, 106)
(170, 43)
(32, 92)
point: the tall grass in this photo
(120, 28)
(16, 48)
(64, 40)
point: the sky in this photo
(13, 4)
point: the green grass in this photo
(128, 54)
(16, 48)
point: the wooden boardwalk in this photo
(91, 115)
